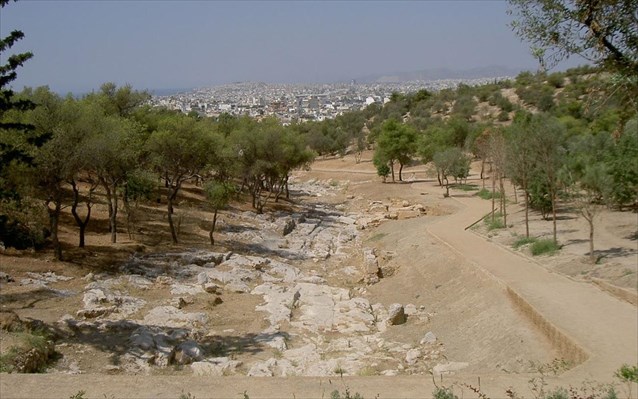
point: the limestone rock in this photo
(217, 366)
(263, 369)
(412, 356)
(429, 338)
(5, 278)
(396, 314)
(288, 227)
(410, 309)
(449, 367)
(187, 353)
(212, 288)
(9, 321)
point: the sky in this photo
(78, 45)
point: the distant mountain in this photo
(442, 73)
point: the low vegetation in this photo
(544, 247)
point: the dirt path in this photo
(604, 327)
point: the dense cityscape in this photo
(296, 102)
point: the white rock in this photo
(449, 367)
(429, 338)
(412, 356)
(217, 366)
(396, 314)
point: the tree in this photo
(396, 143)
(113, 151)
(498, 154)
(585, 174)
(451, 162)
(14, 143)
(7, 75)
(547, 144)
(218, 195)
(521, 162)
(179, 150)
(54, 163)
(621, 163)
(602, 31)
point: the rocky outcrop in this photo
(396, 315)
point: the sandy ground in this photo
(495, 308)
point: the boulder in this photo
(410, 309)
(5, 278)
(412, 356)
(9, 321)
(396, 314)
(216, 366)
(263, 369)
(187, 353)
(212, 288)
(288, 226)
(429, 338)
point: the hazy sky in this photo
(178, 44)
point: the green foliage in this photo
(27, 341)
(544, 246)
(452, 162)
(488, 194)
(219, 194)
(494, 223)
(78, 395)
(627, 373)
(601, 31)
(395, 144)
(558, 393)
(444, 393)
(346, 394)
(140, 185)
(524, 241)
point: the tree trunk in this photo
(526, 212)
(392, 169)
(553, 196)
(503, 201)
(170, 220)
(493, 199)
(78, 220)
(592, 258)
(114, 220)
(447, 187)
(54, 217)
(127, 209)
(400, 172)
(111, 198)
(287, 189)
(212, 229)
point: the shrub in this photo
(523, 241)
(544, 246)
(444, 393)
(487, 194)
(495, 222)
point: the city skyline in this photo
(78, 45)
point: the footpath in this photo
(589, 327)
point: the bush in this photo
(487, 194)
(495, 222)
(544, 246)
(523, 241)
(444, 393)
